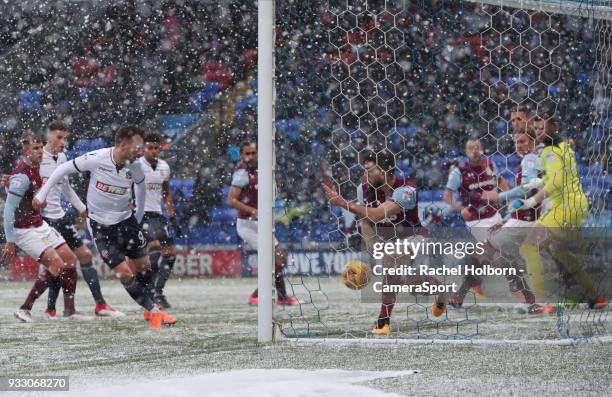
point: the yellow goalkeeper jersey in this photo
(561, 179)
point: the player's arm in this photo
(240, 179)
(452, 185)
(17, 186)
(384, 211)
(73, 198)
(167, 197)
(140, 189)
(86, 162)
(530, 166)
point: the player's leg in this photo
(90, 276)
(247, 231)
(40, 243)
(154, 250)
(280, 260)
(54, 265)
(561, 239)
(165, 266)
(530, 251)
(163, 274)
(480, 231)
(69, 282)
(142, 265)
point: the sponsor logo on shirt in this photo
(154, 186)
(479, 185)
(103, 187)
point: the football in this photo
(355, 274)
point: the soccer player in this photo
(115, 228)
(154, 224)
(55, 216)
(567, 209)
(515, 229)
(471, 178)
(25, 227)
(520, 118)
(387, 209)
(243, 197)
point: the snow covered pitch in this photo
(212, 351)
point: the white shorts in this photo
(510, 237)
(36, 240)
(480, 228)
(247, 230)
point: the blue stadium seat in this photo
(184, 185)
(30, 101)
(200, 99)
(222, 214)
(289, 127)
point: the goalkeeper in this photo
(567, 209)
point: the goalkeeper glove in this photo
(534, 183)
(527, 204)
(175, 226)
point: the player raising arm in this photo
(387, 209)
(25, 227)
(115, 228)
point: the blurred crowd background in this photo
(415, 77)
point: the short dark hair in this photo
(30, 137)
(384, 159)
(472, 137)
(245, 144)
(128, 132)
(153, 137)
(58, 125)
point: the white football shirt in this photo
(54, 209)
(154, 179)
(110, 188)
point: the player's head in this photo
(473, 149)
(57, 133)
(379, 168)
(152, 142)
(525, 141)
(546, 128)
(129, 142)
(32, 145)
(520, 117)
(248, 154)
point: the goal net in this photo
(420, 80)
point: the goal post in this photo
(265, 166)
(416, 78)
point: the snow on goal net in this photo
(405, 87)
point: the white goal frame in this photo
(598, 9)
